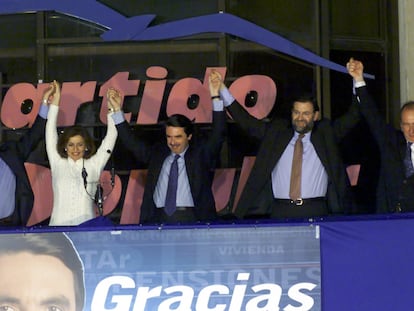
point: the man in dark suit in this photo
(194, 199)
(323, 185)
(396, 182)
(17, 197)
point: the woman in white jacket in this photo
(75, 164)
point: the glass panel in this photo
(63, 26)
(356, 18)
(294, 20)
(164, 10)
(97, 62)
(18, 30)
(15, 70)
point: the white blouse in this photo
(72, 204)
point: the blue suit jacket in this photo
(15, 153)
(200, 160)
(392, 146)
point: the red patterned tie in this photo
(296, 175)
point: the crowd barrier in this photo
(333, 264)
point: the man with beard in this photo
(323, 186)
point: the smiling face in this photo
(177, 139)
(303, 116)
(76, 147)
(35, 282)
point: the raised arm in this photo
(36, 133)
(346, 122)
(106, 148)
(218, 133)
(253, 127)
(369, 110)
(52, 95)
(138, 147)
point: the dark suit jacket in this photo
(392, 145)
(200, 160)
(257, 195)
(15, 153)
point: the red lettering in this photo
(75, 94)
(11, 114)
(127, 87)
(266, 93)
(181, 92)
(152, 97)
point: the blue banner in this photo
(238, 268)
(201, 269)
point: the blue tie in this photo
(171, 197)
(409, 169)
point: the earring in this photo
(66, 149)
(86, 149)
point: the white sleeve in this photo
(107, 146)
(51, 134)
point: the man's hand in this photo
(113, 97)
(214, 83)
(355, 69)
(52, 94)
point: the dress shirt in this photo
(357, 85)
(8, 189)
(314, 181)
(43, 111)
(184, 197)
(225, 94)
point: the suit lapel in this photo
(320, 148)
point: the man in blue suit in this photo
(396, 182)
(196, 160)
(17, 199)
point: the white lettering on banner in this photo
(105, 259)
(251, 250)
(181, 297)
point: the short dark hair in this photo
(74, 131)
(179, 120)
(55, 244)
(306, 98)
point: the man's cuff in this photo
(227, 97)
(218, 105)
(359, 84)
(43, 111)
(118, 117)
(356, 85)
